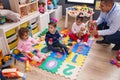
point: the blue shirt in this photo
(55, 37)
(112, 18)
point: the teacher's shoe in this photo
(102, 42)
(116, 47)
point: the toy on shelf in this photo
(7, 61)
(41, 6)
(10, 15)
(117, 60)
(55, 3)
(50, 5)
(2, 19)
(53, 20)
(24, 7)
(13, 73)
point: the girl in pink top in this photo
(78, 30)
(25, 45)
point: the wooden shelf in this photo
(8, 26)
(24, 9)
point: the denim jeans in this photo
(114, 38)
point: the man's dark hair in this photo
(108, 1)
(53, 24)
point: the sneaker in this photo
(102, 42)
(116, 47)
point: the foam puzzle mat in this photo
(56, 63)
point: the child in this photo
(41, 7)
(52, 39)
(78, 30)
(25, 45)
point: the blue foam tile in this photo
(54, 55)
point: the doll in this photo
(41, 6)
(50, 5)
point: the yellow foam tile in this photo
(79, 60)
(39, 46)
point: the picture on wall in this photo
(81, 1)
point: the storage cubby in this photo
(24, 7)
(23, 11)
(8, 31)
(33, 7)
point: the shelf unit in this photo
(8, 31)
(45, 18)
(31, 18)
(24, 7)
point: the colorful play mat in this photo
(64, 65)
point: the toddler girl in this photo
(25, 45)
(78, 31)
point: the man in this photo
(108, 23)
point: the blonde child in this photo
(78, 31)
(25, 45)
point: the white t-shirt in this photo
(76, 28)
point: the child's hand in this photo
(93, 23)
(81, 33)
(60, 38)
(50, 43)
(82, 29)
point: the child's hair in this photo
(22, 31)
(53, 24)
(41, 3)
(80, 18)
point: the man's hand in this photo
(93, 23)
(94, 32)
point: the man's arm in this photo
(114, 27)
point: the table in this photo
(75, 10)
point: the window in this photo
(81, 1)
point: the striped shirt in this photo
(112, 18)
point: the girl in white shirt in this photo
(78, 31)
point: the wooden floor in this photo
(96, 67)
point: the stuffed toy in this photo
(53, 20)
(50, 5)
(9, 14)
(2, 19)
(7, 61)
(55, 3)
(41, 6)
